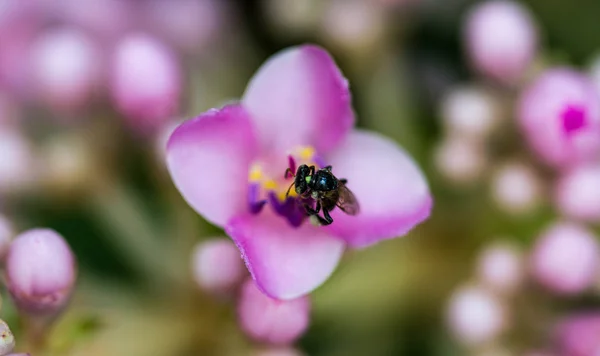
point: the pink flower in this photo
(565, 258)
(476, 316)
(145, 81)
(217, 265)
(500, 267)
(560, 116)
(229, 163)
(577, 195)
(501, 39)
(65, 67)
(579, 335)
(7, 340)
(278, 322)
(40, 271)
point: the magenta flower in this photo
(560, 116)
(579, 335)
(272, 321)
(229, 163)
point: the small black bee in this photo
(325, 189)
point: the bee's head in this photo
(302, 179)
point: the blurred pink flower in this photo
(190, 25)
(560, 116)
(17, 160)
(270, 320)
(469, 112)
(501, 267)
(40, 271)
(579, 335)
(577, 195)
(501, 39)
(516, 189)
(230, 162)
(476, 316)
(565, 258)
(105, 19)
(146, 81)
(66, 68)
(217, 265)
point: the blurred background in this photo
(90, 91)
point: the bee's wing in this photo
(347, 201)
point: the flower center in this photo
(573, 118)
(270, 183)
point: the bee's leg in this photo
(328, 219)
(344, 180)
(328, 168)
(310, 211)
(312, 170)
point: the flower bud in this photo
(516, 188)
(559, 114)
(469, 112)
(190, 25)
(17, 163)
(7, 340)
(476, 316)
(269, 320)
(565, 258)
(501, 39)
(65, 65)
(460, 160)
(145, 81)
(217, 265)
(40, 271)
(500, 267)
(579, 335)
(353, 24)
(577, 195)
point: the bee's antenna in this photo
(290, 188)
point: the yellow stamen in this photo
(270, 185)
(306, 153)
(255, 174)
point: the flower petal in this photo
(299, 97)
(392, 191)
(285, 262)
(208, 158)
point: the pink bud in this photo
(146, 81)
(217, 265)
(501, 39)
(559, 114)
(577, 195)
(7, 340)
(106, 19)
(516, 188)
(40, 271)
(500, 267)
(460, 160)
(579, 335)
(65, 65)
(469, 111)
(188, 24)
(476, 316)
(353, 24)
(269, 320)
(17, 163)
(565, 258)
